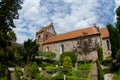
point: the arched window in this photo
(108, 44)
(46, 36)
(61, 49)
(47, 49)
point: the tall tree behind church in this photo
(114, 34)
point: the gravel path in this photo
(94, 75)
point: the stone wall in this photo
(68, 46)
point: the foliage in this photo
(118, 19)
(51, 69)
(72, 55)
(114, 39)
(100, 73)
(107, 70)
(118, 55)
(12, 36)
(48, 55)
(67, 65)
(35, 69)
(18, 73)
(85, 45)
(59, 77)
(31, 49)
(100, 53)
(28, 71)
(4, 74)
(24, 78)
(8, 12)
(116, 75)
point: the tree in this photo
(118, 18)
(8, 12)
(118, 56)
(12, 36)
(114, 39)
(85, 45)
(31, 48)
(67, 65)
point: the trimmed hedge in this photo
(100, 73)
(48, 55)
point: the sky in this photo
(66, 15)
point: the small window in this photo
(61, 49)
(108, 44)
(47, 49)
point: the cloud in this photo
(66, 15)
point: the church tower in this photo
(44, 33)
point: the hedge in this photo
(100, 73)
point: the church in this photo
(48, 40)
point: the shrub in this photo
(28, 71)
(100, 73)
(100, 53)
(51, 69)
(18, 73)
(49, 55)
(67, 65)
(35, 69)
(107, 70)
(118, 55)
(72, 55)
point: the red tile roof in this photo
(73, 34)
(104, 33)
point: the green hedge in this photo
(51, 69)
(48, 55)
(76, 78)
(100, 73)
(72, 55)
(100, 53)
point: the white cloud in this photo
(67, 15)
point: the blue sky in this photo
(66, 15)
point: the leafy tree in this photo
(12, 36)
(8, 12)
(67, 65)
(31, 49)
(85, 45)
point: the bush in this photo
(35, 69)
(28, 71)
(67, 65)
(100, 73)
(107, 70)
(18, 73)
(100, 53)
(72, 55)
(49, 55)
(59, 77)
(51, 69)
